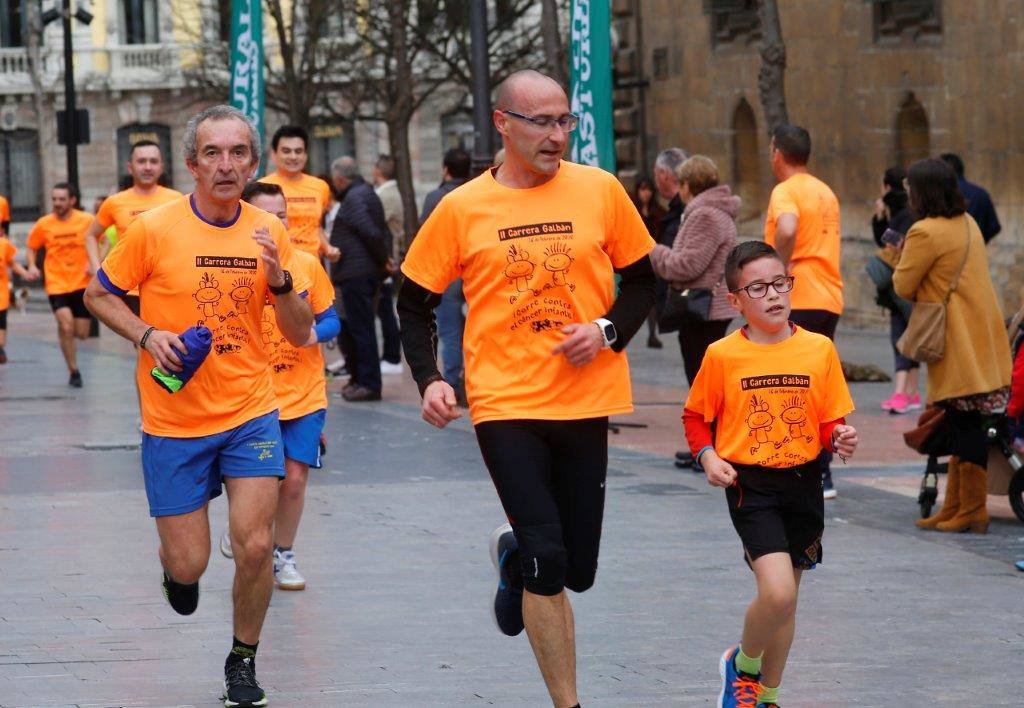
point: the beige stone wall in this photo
(847, 90)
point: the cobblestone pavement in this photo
(393, 545)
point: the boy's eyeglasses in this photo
(756, 291)
(567, 122)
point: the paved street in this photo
(393, 546)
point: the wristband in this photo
(145, 337)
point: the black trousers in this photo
(359, 296)
(389, 325)
(694, 340)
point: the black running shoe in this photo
(183, 598)
(507, 609)
(3, 356)
(240, 685)
(75, 380)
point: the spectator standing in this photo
(651, 212)
(979, 203)
(386, 188)
(361, 233)
(803, 226)
(972, 379)
(666, 182)
(451, 320)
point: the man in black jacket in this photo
(360, 231)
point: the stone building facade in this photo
(876, 82)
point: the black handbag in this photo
(684, 307)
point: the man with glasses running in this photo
(537, 243)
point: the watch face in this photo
(609, 332)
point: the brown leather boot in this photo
(973, 514)
(951, 502)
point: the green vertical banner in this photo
(247, 59)
(590, 83)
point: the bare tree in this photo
(554, 45)
(771, 79)
(34, 51)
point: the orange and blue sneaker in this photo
(739, 690)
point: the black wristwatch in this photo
(285, 288)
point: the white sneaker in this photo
(285, 574)
(225, 545)
(830, 493)
(336, 366)
(386, 367)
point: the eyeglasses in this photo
(756, 291)
(567, 123)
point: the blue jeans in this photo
(450, 325)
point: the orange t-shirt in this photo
(531, 262)
(119, 210)
(7, 253)
(769, 400)
(815, 261)
(66, 265)
(307, 197)
(299, 372)
(191, 272)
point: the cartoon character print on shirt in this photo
(537, 270)
(777, 416)
(223, 297)
(283, 356)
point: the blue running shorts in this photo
(302, 438)
(183, 474)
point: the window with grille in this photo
(140, 22)
(19, 173)
(906, 20)
(733, 22)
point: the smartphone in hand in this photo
(893, 238)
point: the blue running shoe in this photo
(739, 690)
(1019, 565)
(507, 609)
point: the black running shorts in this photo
(779, 511)
(3, 319)
(550, 476)
(75, 301)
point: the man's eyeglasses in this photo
(756, 291)
(567, 123)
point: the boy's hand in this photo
(719, 472)
(844, 439)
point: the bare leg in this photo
(911, 388)
(550, 627)
(185, 545)
(291, 500)
(252, 502)
(770, 621)
(900, 382)
(777, 652)
(66, 337)
(82, 325)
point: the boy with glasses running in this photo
(776, 396)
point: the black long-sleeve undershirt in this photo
(419, 327)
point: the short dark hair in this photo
(386, 165)
(894, 177)
(289, 131)
(257, 189)
(142, 144)
(934, 191)
(954, 161)
(793, 142)
(458, 163)
(72, 190)
(746, 252)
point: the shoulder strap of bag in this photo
(967, 251)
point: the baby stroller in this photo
(1005, 474)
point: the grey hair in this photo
(345, 167)
(670, 160)
(190, 146)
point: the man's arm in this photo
(30, 263)
(92, 246)
(294, 318)
(785, 236)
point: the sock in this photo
(282, 549)
(768, 695)
(240, 650)
(747, 664)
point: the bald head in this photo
(523, 86)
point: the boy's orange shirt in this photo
(307, 198)
(66, 265)
(299, 371)
(815, 261)
(190, 272)
(119, 210)
(768, 401)
(7, 253)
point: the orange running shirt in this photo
(190, 272)
(815, 262)
(66, 264)
(307, 197)
(119, 210)
(5, 210)
(299, 372)
(7, 253)
(769, 400)
(531, 262)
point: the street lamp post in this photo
(483, 144)
(71, 136)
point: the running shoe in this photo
(507, 608)
(388, 368)
(183, 598)
(3, 356)
(914, 402)
(1019, 565)
(286, 575)
(767, 705)
(225, 544)
(337, 367)
(75, 380)
(240, 685)
(739, 690)
(899, 404)
(887, 403)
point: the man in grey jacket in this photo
(361, 233)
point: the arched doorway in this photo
(746, 161)
(913, 138)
